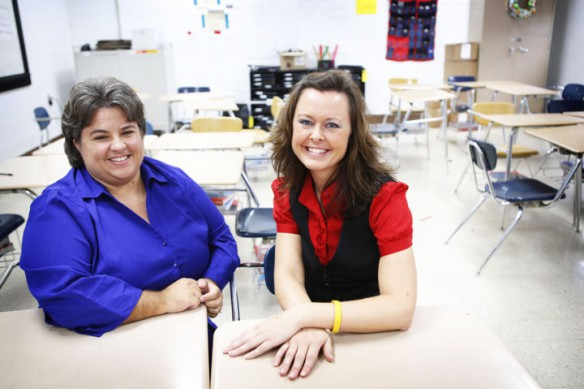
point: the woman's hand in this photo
(211, 296)
(269, 333)
(298, 356)
(181, 295)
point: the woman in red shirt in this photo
(344, 258)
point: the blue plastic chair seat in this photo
(255, 223)
(525, 190)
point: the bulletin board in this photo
(412, 27)
(14, 71)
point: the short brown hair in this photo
(86, 98)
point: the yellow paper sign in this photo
(366, 7)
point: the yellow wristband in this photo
(338, 316)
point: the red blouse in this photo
(390, 218)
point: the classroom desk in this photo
(579, 114)
(522, 91)
(571, 139)
(444, 348)
(207, 168)
(203, 141)
(517, 120)
(185, 97)
(32, 172)
(167, 351)
(413, 96)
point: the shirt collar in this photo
(309, 199)
(89, 187)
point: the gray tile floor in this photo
(531, 294)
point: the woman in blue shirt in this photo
(122, 237)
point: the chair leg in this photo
(234, 299)
(506, 233)
(545, 157)
(467, 217)
(462, 177)
(8, 270)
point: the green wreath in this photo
(518, 12)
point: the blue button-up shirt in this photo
(87, 257)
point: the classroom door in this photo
(516, 49)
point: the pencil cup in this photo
(326, 65)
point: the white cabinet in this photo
(149, 72)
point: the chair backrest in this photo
(491, 108)
(402, 81)
(269, 265)
(573, 92)
(452, 79)
(216, 124)
(149, 128)
(42, 113)
(187, 89)
(483, 154)
(560, 106)
(203, 89)
(277, 105)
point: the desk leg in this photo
(249, 188)
(510, 151)
(578, 193)
(27, 192)
(445, 130)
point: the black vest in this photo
(352, 272)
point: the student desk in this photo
(444, 348)
(167, 351)
(425, 95)
(522, 91)
(203, 141)
(207, 168)
(579, 114)
(517, 120)
(32, 172)
(571, 139)
(191, 99)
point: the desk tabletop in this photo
(533, 119)
(485, 84)
(189, 140)
(579, 114)
(207, 168)
(444, 348)
(172, 97)
(423, 95)
(167, 351)
(570, 138)
(33, 171)
(221, 104)
(518, 89)
(404, 87)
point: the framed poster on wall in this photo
(14, 71)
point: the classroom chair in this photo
(8, 225)
(525, 192)
(276, 107)
(460, 89)
(255, 223)
(492, 108)
(216, 124)
(41, 116)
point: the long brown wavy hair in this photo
(360, 173)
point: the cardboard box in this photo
(460, 68)
(461, 52)
(290, 60)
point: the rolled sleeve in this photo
(390, 218)
(285, 222)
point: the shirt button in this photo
(164, 243)
(174, 265)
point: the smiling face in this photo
(321, 131)
(112, 148)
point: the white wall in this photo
(259, 28)
(50, 59)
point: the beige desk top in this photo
(444, 348)
(422, 95)
(207, 168)
(533, 119)
(211, 104)
(570, 138)
(405, 87)
(167, 351)
(485, 84)
(33, 171)
(169, 98)
(517, 89)
(188, 140)
(579, 114)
